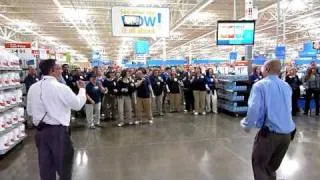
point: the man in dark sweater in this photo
(31, 78)
(158, 85)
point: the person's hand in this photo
(115, 90)
(246, 129)
(92, 101)
(80, 84)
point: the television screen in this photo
(235, 32)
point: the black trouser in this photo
(267, 155)
(189, 100)
(295, 98)
(55, 152)
(308, 99)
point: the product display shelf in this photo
(5, 131)
(3, 152)
(233, 93)
(11, 87)
(10, 69)
(10, 107)
(4, 110)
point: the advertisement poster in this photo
(140, 22)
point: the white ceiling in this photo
(84, 25)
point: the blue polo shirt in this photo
(94, 93)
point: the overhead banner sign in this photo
(140, 22)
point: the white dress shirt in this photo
(48, 95)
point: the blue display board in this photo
(235, 32)
(308, 50)
(233, 56)
(280, 52)
(208, 61)
(259, 60)
(141, 47)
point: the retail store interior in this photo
(173, 130)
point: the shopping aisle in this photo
(177, 147)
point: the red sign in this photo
(18, 45)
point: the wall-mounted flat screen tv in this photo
(235, 32)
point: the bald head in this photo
(272, 67)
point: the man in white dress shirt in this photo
(49, 103)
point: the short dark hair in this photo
(46, 66)
(64, 65)
(124, 73)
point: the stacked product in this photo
(12, 129)
(233, 93)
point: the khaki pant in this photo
(93, 114)
(158, 104)
(124, 108)
(109, 106)
(175, 100)
(144, 107)
(211, 101)
(199, 101)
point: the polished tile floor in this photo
(176, 147)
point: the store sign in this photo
(141, 47)
(43, 54)
(21, 49)
(140, 22)
(280, 52)
(241, 67)
(233, 55)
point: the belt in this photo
(43, 125)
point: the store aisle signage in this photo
(280, 52)
(21, 49)
(140, 22)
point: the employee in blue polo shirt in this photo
(93, 104)
(270, 111)
(211, 97)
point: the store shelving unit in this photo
(233, 93)
(13, 127)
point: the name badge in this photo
(211, 79)
(158, 83)
(96, 87)
(67, 76)
(114, 83)
(175, 79)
